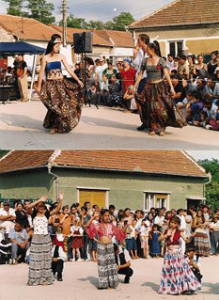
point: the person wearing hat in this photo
(99, 83)
(127, 75)
(7, 217)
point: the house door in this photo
(193, 202)
(160, 201)
(95, 197)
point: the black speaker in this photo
(77, 38)
(87, 42)
(83, 42)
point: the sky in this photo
(199, 155)
(103, 10)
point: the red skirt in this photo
(77, 243)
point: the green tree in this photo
(92, 24)
(75, 22)
(3, 153)
(15, 7)
(212, 189)
(41, 10)
(121, 21)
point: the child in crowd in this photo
(130, 240)
(58, 255)
(144, 236)
(92, 97)
(214, 122)
(194, 263)
(77, 239)
(129, 100)
(94, 241)
(194, 109)
(154, 242)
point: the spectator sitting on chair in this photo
(7, 217)
(19, 239)
(123, 261)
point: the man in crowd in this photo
(19, 239)
(99, 83)
(123, 261)
(140, 52)
(21, 72)
(183, 68)
(7, 217)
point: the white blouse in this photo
(40, 225)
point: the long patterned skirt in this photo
(177, 277)
(107, 268)
(40, 271)
(64, 101)
(201, 242)
(157, 108)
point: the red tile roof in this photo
(22, 160)
(150, 162)
(117, 38)
(181, 12)
(26, 28)
(97, 40)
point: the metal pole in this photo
(33, 77)
(64, 22)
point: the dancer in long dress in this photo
(159, 109)
(107, 268)
(40, 271)
(177, 277)
(62, 98)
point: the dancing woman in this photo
(40, 272)
(159, 109)
(177, 277)
(62, 98)
(107, 268)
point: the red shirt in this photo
(128, 78)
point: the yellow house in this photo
(191, 25)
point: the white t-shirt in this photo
(138, 61)
(5, 213)
(159, 220)
(126, 254)
(145, 229)
(99, 71)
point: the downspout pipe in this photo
(204, 186)
(56, 179)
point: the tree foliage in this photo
(39, 10)
(212, 189)
(117, 23)
(15, 7)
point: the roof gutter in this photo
(172, 25)
(126, 171)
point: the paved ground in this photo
(80, 280)
(21, 128)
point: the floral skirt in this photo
(107, 268)
(157, 109)
(177, 277)
(40, 271)
(201, 242)
(64, 101)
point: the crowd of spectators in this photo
(195, 82)
(200, 227)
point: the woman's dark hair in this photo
(214, 53)
(175, 219)
(156, 46)
(51, 43)
(103, 211)
(144, 38)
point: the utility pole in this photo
(64, 22)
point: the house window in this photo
(95, 197)
(176, 48)
(156, 200)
